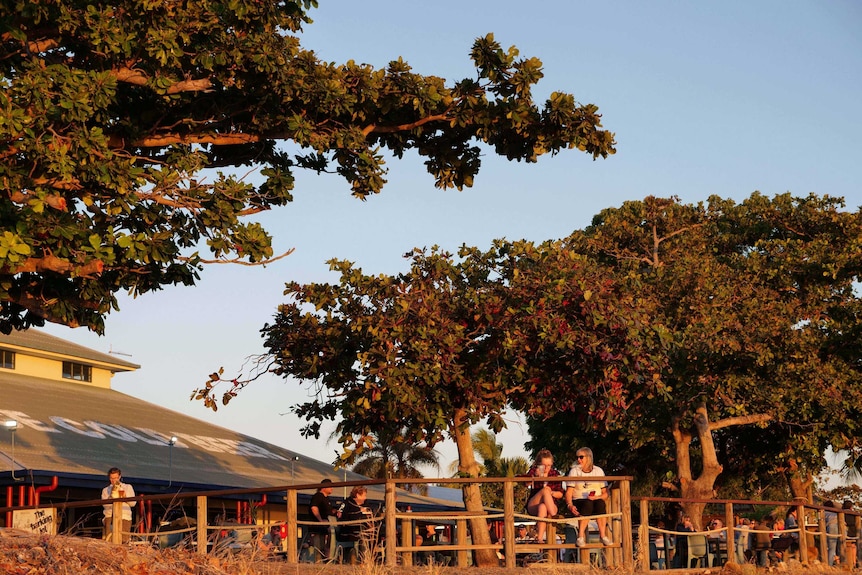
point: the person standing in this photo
(117, 489)
(544, 494)
(830, 516)
(322, 510)
(852, 535)
(587, 497)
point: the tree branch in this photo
(51, 263)
(242, 263)
(53, 200)
(740, 420)
(139, 78)
(374, 128)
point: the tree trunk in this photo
(800, 487)
(468, 467)
(704, 486)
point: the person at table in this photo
(544, 494)
(586, 497)
(718, 540)
(521, 534)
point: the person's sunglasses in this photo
(581, 456)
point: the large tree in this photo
(757, 305)
(119, 117)
(434, 350)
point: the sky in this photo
(705, 98)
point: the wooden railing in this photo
(812, 537)
(619, 504)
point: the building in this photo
(62, 427)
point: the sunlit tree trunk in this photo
(469, 467)
(703, 487)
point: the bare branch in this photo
(244, 263)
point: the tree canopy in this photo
(125, 124)
(759, 312)
(698, 334)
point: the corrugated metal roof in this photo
(80, 431)
(37, 340)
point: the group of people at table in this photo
(765, 542)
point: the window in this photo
(7, 359)
(77, 371)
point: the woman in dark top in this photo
(544, 494)
(681, 557)
(353, 510)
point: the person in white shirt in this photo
(587, 497)
(117, 489)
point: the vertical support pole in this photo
(407, 540)
(292, 531)
(643, 537)
(551, 539)
(461, 539)
(509, 523)
(389, 522)
(626, 535)
(202, 524)
(730, 523)
(117, 522)
(803, 535)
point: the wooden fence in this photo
(630, 545)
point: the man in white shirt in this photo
(116, 489)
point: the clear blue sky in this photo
(705, 98)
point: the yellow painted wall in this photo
(49, 368)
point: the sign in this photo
(41, 521)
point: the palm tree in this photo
(392, 455)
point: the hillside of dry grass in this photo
(28, 554)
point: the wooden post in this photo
(292, 531)
(117, 522)
(509, 523)
(389, 521)
(461, 539)
(803, 536)
(626, 535)
(551, 538)
(407, 540)
(730, 523)
(202, 524)
(643, 537)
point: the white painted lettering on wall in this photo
(98, 430)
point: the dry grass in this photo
(27, 554)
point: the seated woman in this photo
(587, 497)
(356, 533)
(543, 497)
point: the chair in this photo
(656, 559)
(697, 549)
